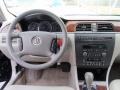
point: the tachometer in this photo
(56, 27)
(45, 26)
(33, 26)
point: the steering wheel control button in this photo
(36, 40)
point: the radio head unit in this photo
(94, 50)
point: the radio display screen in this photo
(94, 46)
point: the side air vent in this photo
(105, 27)
(83, 27)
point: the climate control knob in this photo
(85, 54)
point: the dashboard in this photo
(39, 22)
(94, 42)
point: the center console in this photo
(94, 50)
(94, 53)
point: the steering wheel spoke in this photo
(52, 56)
(60, 36)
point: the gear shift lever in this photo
(89, 79)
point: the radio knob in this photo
(85, 54)
(104, 54)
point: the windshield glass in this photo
(67, 7)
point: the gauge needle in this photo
(38, 29)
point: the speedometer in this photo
(45, 26)
(33, 26)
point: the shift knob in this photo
(89, 79)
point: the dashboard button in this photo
(85, 54)
(104, 54)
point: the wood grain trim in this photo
(117, 29)
(71, 25)
(101, 88)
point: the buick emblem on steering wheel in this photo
(36, 40)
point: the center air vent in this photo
(105, 27)
(83, 27)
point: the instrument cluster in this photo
(39, 23)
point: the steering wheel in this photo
(36, 42)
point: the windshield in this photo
(67, 7)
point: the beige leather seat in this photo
(115, 85)
(29, 87)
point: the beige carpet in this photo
(49, 77)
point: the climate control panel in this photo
(94, 50)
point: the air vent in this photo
(83, 27)
(105, 27)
